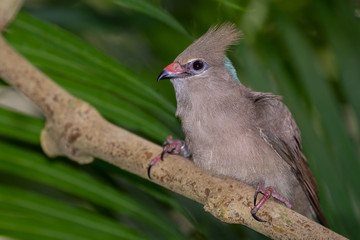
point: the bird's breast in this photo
(223, 145)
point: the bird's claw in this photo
(256, 217)
(162, 154)
(152, 163)
(268, 193)
(170, 146)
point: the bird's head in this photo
(204, 56)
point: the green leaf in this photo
(93, 76)
(232, 4)
(48, 218)
(20, 127)
(148, 8)
(346, 51)
(36, 167)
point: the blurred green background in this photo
(109, 53)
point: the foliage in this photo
(306, 51)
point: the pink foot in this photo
(268, 193)
(170, 146)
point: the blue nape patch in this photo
(231, 69)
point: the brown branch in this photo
(76, 130)
(8, 10)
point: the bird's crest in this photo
(212, 45)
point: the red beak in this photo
(174, 70)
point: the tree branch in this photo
(76, 130)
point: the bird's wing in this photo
(278, 128)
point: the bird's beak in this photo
(174, 70)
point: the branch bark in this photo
(76, 130)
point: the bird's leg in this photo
(268, 192)
(173, 147)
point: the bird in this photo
(232, 131)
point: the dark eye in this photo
(198, 65)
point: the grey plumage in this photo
(235, 132)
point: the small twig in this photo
(76, 130)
